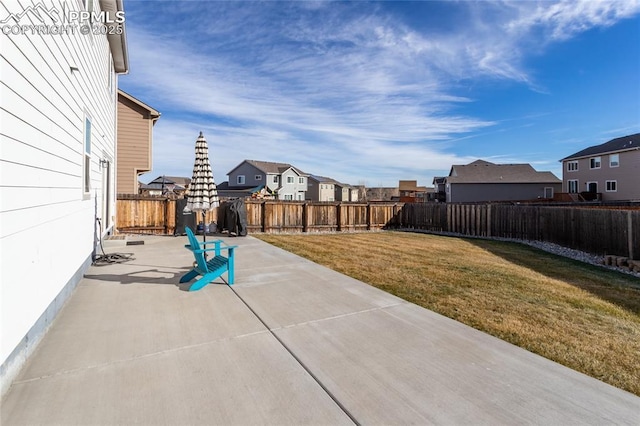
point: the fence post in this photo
(630, 234)
(305, 217)
(489, 220)
(166, 216)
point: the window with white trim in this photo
(595, 162)
(86, 157)
(275, 179)
(289, 179)
(572, 166)
(240, 180)
(611, 186)
(300, 180)
(572, 186)
(288, 197)
(614, 160)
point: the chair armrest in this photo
(214, 249)
(210, 242)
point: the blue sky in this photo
(376, 92)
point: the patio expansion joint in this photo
(349, 314)
(135, 358)
(306, 368)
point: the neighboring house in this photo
(281, 179)
(135, 135)
(321, 188)
(439, 189)
(58, 108)
(226, 192)
(610, 171)
(346, 192)
(410, 192)
(167, 186)
(482, 181)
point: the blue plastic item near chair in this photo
(211, 268)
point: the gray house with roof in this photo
(610, 171)
(482, 181)
(282, 179)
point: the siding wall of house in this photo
(471, 193)
(313, 190)
(626, 175)
(297, 190)
(134, 145)
(320, 191)
(327, 192)
(249, 172)
(342, 193)
(47, 223)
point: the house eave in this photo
(153, 113)
(117, 42)
(616, 151)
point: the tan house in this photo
(321, 188)
(608, 172)
(345, 192)
(134, 140)
(410, 192)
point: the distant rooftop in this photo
(481, 171)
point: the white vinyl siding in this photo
(43, 106)
(86, 169)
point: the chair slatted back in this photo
(197, 251)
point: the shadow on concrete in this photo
(151, 276)
(146, 276)
(613, 286)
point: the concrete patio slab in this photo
(291, 342)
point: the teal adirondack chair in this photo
(211, 268)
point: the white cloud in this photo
(338, 89)
(564, 19)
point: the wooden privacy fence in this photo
(599, 231)
(157, 215)
(149, 215)
(297, 216)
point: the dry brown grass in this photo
(579, 315)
